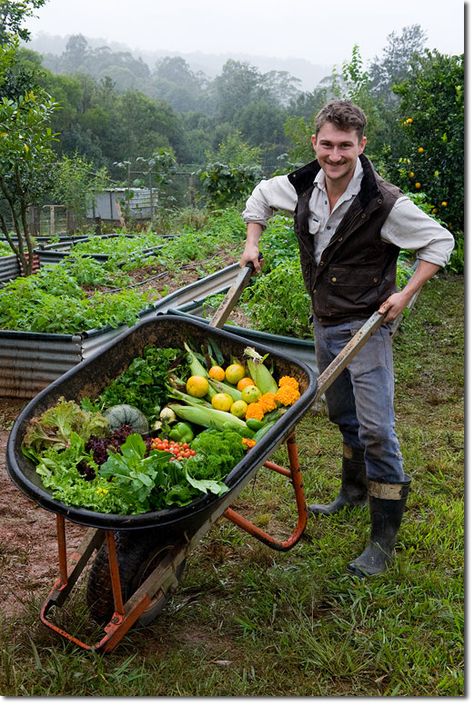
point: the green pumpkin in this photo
(127, 414)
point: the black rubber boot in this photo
(387, 503)
(353, 492)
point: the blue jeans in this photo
(360, 400)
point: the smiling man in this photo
(351, 225)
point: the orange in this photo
(234, 373)
(197, 386)
(243, 383)
(217, 373)
(222, 401)
(251, 393)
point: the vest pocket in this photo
(352, 289)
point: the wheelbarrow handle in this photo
(345, 356)
(232, 296)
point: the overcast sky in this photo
(323, 33)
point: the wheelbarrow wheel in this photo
(138, 555)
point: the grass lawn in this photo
(248, 621)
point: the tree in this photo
(12, 16)
(432, 110)
(395, 64)
(76, 183)
(26, 137)
(237, 86)
(26, 161)
(234, 151)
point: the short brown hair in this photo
(345, 115)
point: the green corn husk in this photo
(224, 387)
(189, 399)
(195, 365)
(259, 372)
(205, 417)
(197, 368)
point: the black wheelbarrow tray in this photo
(140, 558)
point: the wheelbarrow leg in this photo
(124, 614)
(296, 477)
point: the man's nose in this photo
(335, 154)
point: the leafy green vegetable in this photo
(55, 426)
(135, 474)
(143, 383)
(217, 452)
(133, 480)
(207, 485)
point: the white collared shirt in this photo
(407, 226)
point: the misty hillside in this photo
(309, 74)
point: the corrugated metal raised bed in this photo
(30, 361)
(10, 268)
(52, 253)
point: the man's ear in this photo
(313, 141)
(362, 144)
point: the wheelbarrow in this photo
(139, 559)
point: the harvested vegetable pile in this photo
(168, 429)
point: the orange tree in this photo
(432, 123)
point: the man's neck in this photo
(335, 188)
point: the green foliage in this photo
(217, 452)
(53, 428)
(53, 302)
(235, 152)
(432, 106)
(12, 16)
(278, 302)
(143, 383)
(298, 131)
(26, 160)
(227, 185)
(76, 183)
(278, 241)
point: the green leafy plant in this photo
(278, 302)
(227, 185)
(144, 383)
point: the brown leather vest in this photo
(357, 270)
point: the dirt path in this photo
(28, 547)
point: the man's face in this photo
(337, 152)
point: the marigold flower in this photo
(248, 442)
(409, 121)
(254, 411)
(267, 402)
(417, 185)
(421, 150)
(287, 381)
(444, 203)
(287, 395)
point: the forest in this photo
(108, 118)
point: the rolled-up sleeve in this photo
(408, 227)
(269, 196)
